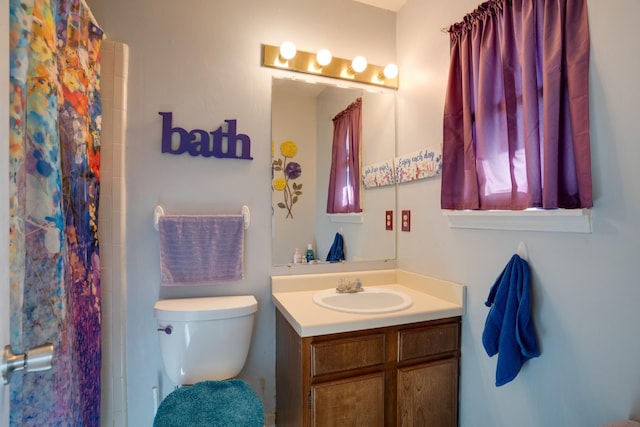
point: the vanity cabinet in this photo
(405, 375)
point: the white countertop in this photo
(432, 299)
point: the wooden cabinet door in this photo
(428, 394)
(352, 402)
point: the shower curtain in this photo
(54, 178)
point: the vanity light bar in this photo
(339, 68)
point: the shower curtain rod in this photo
(93, 18)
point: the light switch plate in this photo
(406, 220)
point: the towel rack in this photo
(158, 212)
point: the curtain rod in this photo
(91, 17)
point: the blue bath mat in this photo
(211, 404)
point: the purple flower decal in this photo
(293, 170)
(290, 171)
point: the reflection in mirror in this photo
(302, 135)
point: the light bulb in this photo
(359, 64)
(323, 57)
(287, 50)
(391, 71)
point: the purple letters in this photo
(199, 142)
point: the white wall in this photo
(202, 63)
(586, 291)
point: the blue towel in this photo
(509, 329)
(336, 252)
(229, 403)
(201, 249)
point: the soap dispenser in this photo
(297, 257)
(310, 254)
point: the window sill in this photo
(351, 218)
(561, 220)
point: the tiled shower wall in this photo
(112, 232)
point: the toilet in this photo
(204, 343)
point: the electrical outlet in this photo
(406, 220)
(388, 220)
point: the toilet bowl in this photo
(204, 343)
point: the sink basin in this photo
(371, 300)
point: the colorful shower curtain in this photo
(55, 114)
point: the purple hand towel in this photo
(201, 249)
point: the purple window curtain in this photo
(344, 179)
(516, 116)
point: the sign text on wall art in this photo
(199, 142)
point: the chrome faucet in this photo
(349, 287)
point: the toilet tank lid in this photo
(206, 308)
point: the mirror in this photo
(302, 134)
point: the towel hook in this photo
(157, 213)
(522, 251)
(247, 216)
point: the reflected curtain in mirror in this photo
(344, 178)
(516, 120)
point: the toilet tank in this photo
(204, 338)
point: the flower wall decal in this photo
(290, 172)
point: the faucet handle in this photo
(348, 286)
